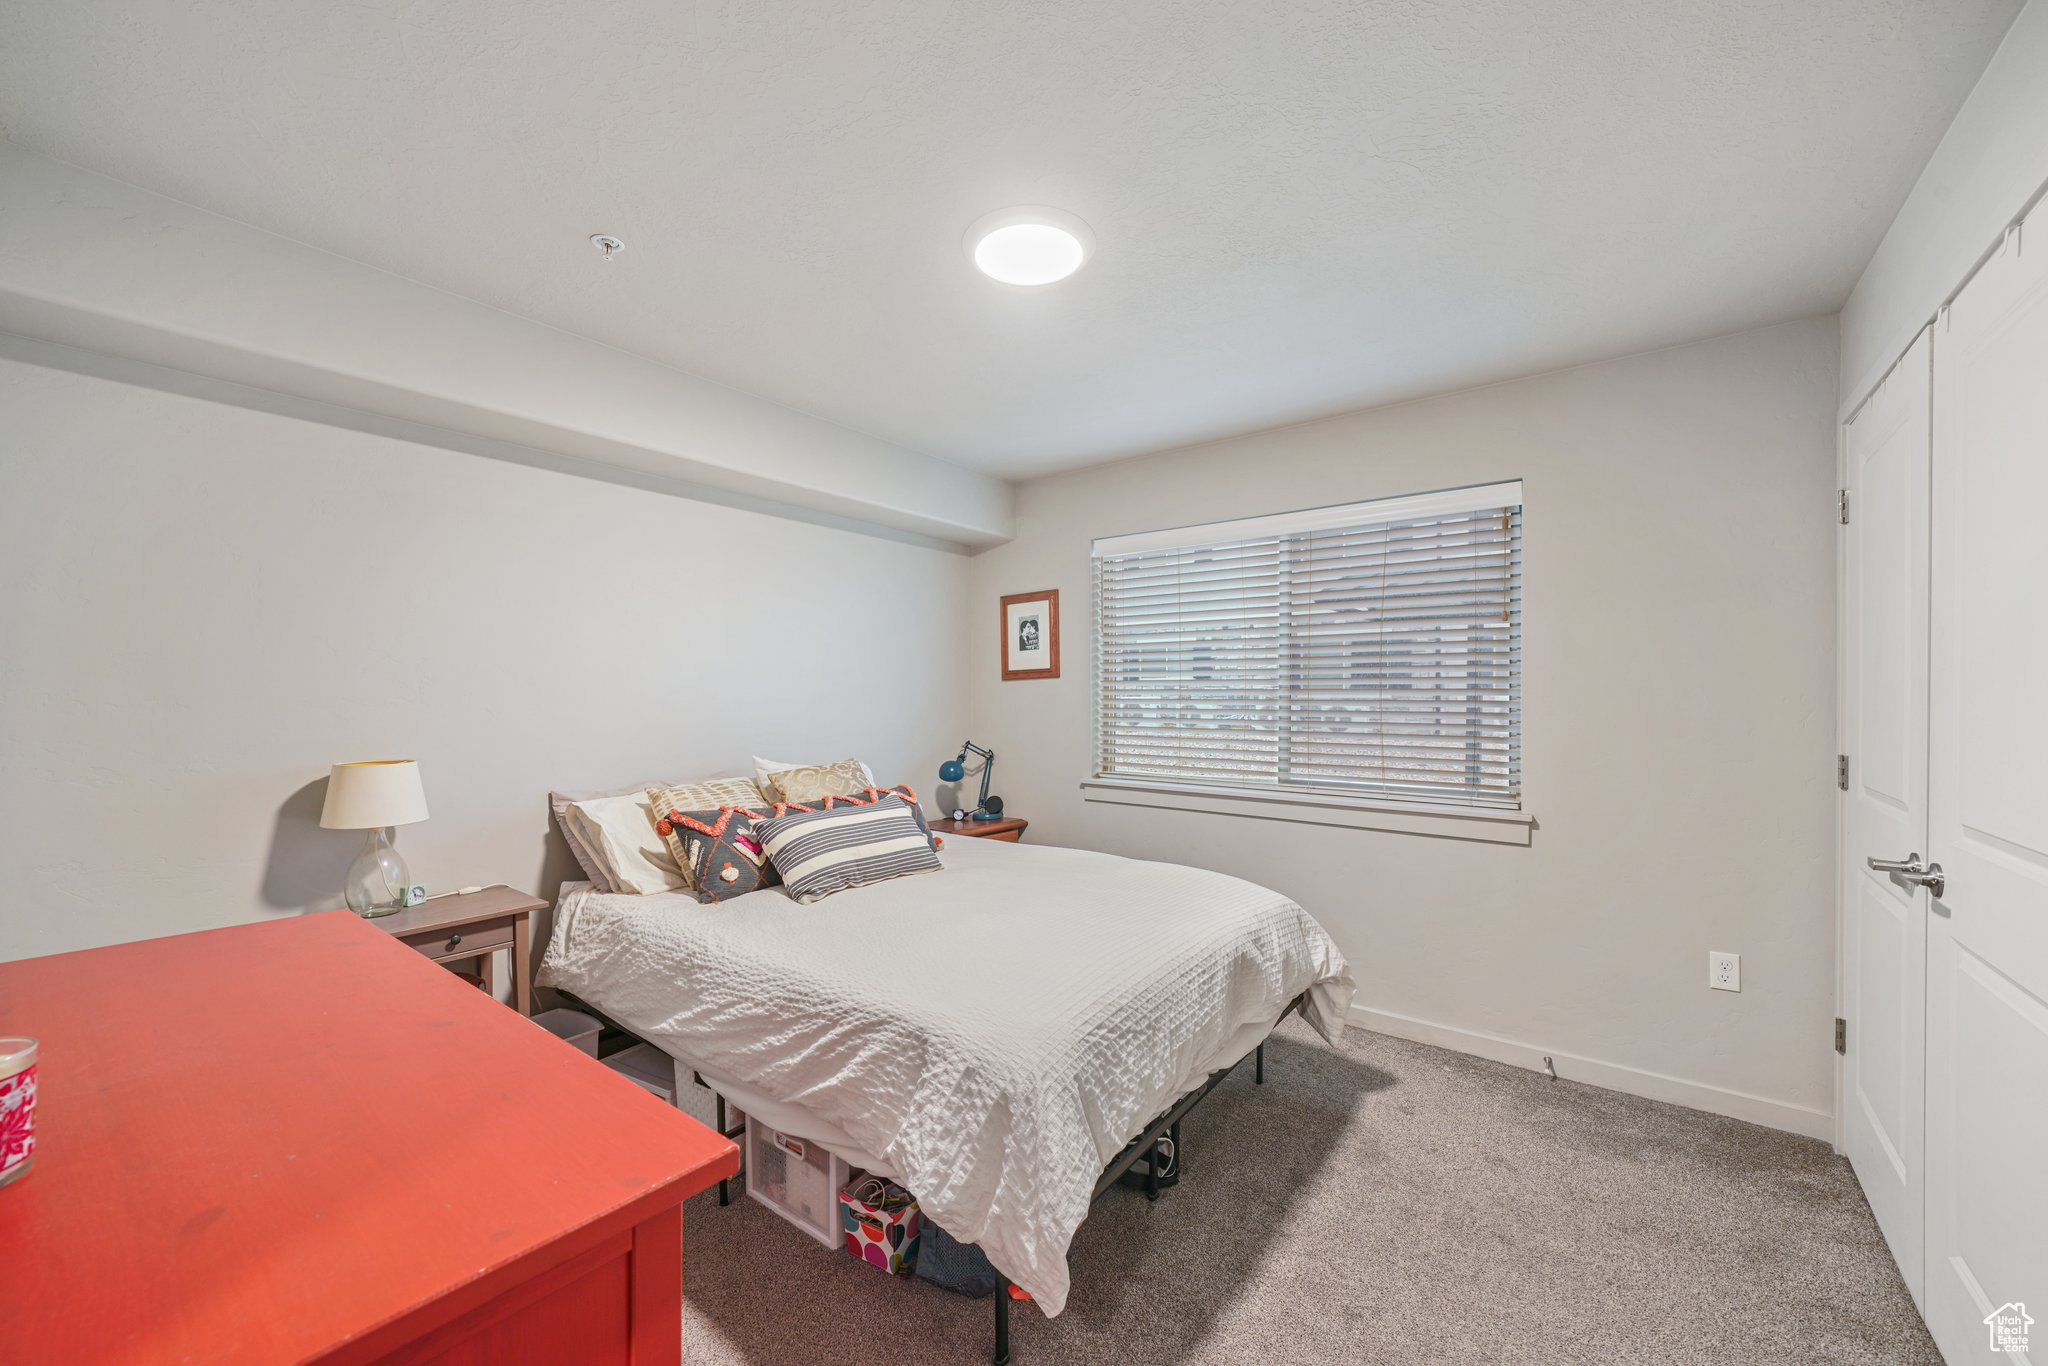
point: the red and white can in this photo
(17, 1108)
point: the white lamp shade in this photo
(373, 794)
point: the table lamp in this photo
(954, 769)
(375, 796)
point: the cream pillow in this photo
(768, 773)
(808, 784)
(618, 832)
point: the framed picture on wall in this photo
(1030, 628)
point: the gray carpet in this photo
(1386, 1203)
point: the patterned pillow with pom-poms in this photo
(719, 851)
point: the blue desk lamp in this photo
(954, 769)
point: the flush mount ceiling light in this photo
(1029, 245)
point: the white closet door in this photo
(1987, 999)
(1884, 730)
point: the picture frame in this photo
(1028, 632)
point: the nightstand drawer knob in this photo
(454, 939)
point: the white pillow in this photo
(586, 858)
(618, 833)
(766, 769)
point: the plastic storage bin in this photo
(798, 1179)
(646, 1067)
(572, 1027)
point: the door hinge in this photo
(1842, 772)
(1841, 1036)
(1843, 506)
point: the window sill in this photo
(1358, 813)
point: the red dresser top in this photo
(258, 1143)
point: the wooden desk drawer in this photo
(442, 945)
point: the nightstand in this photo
(450, 929)
(1009, 829)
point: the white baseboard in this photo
(1776, 1114)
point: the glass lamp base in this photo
(378, 878)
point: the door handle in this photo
(1911, 871)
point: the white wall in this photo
(1679, 731)
(202, 607)
(1989, 166)
(93, 263)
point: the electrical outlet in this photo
(1724, 970)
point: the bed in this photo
(989, 1036)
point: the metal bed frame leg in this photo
(1002, 1356)
(1259, 1065)
(724, 1187)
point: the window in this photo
(1372, 649)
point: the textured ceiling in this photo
(1299, 208)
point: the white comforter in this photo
(990, 1035)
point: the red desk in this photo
(302, 1141)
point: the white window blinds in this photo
(1373, 648)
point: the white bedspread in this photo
(991, 1035)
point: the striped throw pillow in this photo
(822, 852)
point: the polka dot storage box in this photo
(882, 1225)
